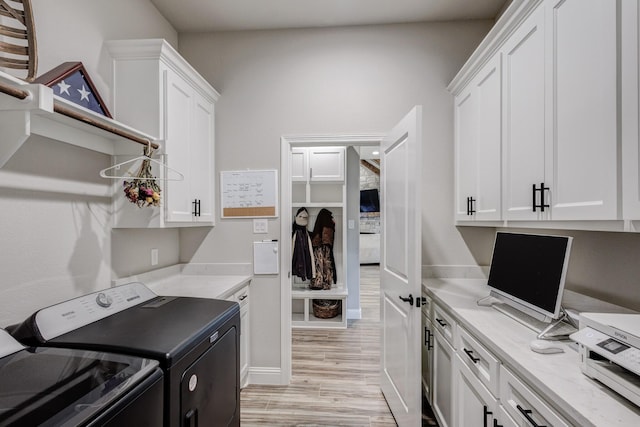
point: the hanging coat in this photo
(302, 261)
(322, 240)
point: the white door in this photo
(400, 264)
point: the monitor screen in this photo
(530, 269)
(369, 201)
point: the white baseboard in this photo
(266, 376)
(354, 313)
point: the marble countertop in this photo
(556, 377)
(188, 280)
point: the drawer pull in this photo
(441, 322)
(495, 423)
(470, 354)
(242, 297)
(525, 413)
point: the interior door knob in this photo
(408, 299)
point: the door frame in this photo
(288, 142)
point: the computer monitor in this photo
(528, 272)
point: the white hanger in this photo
(116, 167)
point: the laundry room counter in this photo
(193, 280)
(555, 378)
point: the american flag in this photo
(76, 89)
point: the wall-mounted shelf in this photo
(33, 109)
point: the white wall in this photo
(320, 81)
(56, 244)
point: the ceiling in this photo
(232, 15)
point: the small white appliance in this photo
(609, 347)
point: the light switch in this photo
(351, 224)
(260, 226)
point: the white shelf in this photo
(317, 205)
(36, 115)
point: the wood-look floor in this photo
(335, 374)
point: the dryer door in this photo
(209, 388)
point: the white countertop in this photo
(194, 280)
(201, 286)
(557, 377)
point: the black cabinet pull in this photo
(541, 190)
(441, 322)
(420, 301)
(471, 208)
(485, 414)
(495, 423)
(470, 354)
(525, 413)
(408, 299)
(427, 338)
(196, 207)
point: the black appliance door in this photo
(209, 394)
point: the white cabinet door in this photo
(178, 105)
(299, 164)
(466, 151)
(201, 154)
(630, 74)
(489, 104)
(478, 144)
(442, 403)
(523, 124)
(581, 124)
(475, 406)
(326, 164)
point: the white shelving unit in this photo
(324, 187)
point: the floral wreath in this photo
(143, 190)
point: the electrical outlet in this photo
(154, 256)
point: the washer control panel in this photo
(75, 313)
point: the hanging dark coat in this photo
(302, 261)
(322, 238)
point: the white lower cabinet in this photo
(524, 405)
(471, 387)
(442, 403)
(475, 405)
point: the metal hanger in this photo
(145, 157)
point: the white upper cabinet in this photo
(317, 164)
(523, 125)
(556, 112)
(630, 60)
(478, 145)
(581, 132)
(155, 88)
(299, 164)
(326, 164)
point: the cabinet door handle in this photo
(427, 338)
(441, 322)
(470, 354)
(525, 413)
(196, 207)
(472, 206)
(485, 414)
(408, 299)
(542, 204)
(495, 423)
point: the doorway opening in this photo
(346, 215)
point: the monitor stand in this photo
(558, 329)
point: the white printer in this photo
(609, 347)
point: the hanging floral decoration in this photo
(143, 189)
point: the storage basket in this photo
(326, 308)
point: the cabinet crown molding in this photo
(492, 42)
(160, 49)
